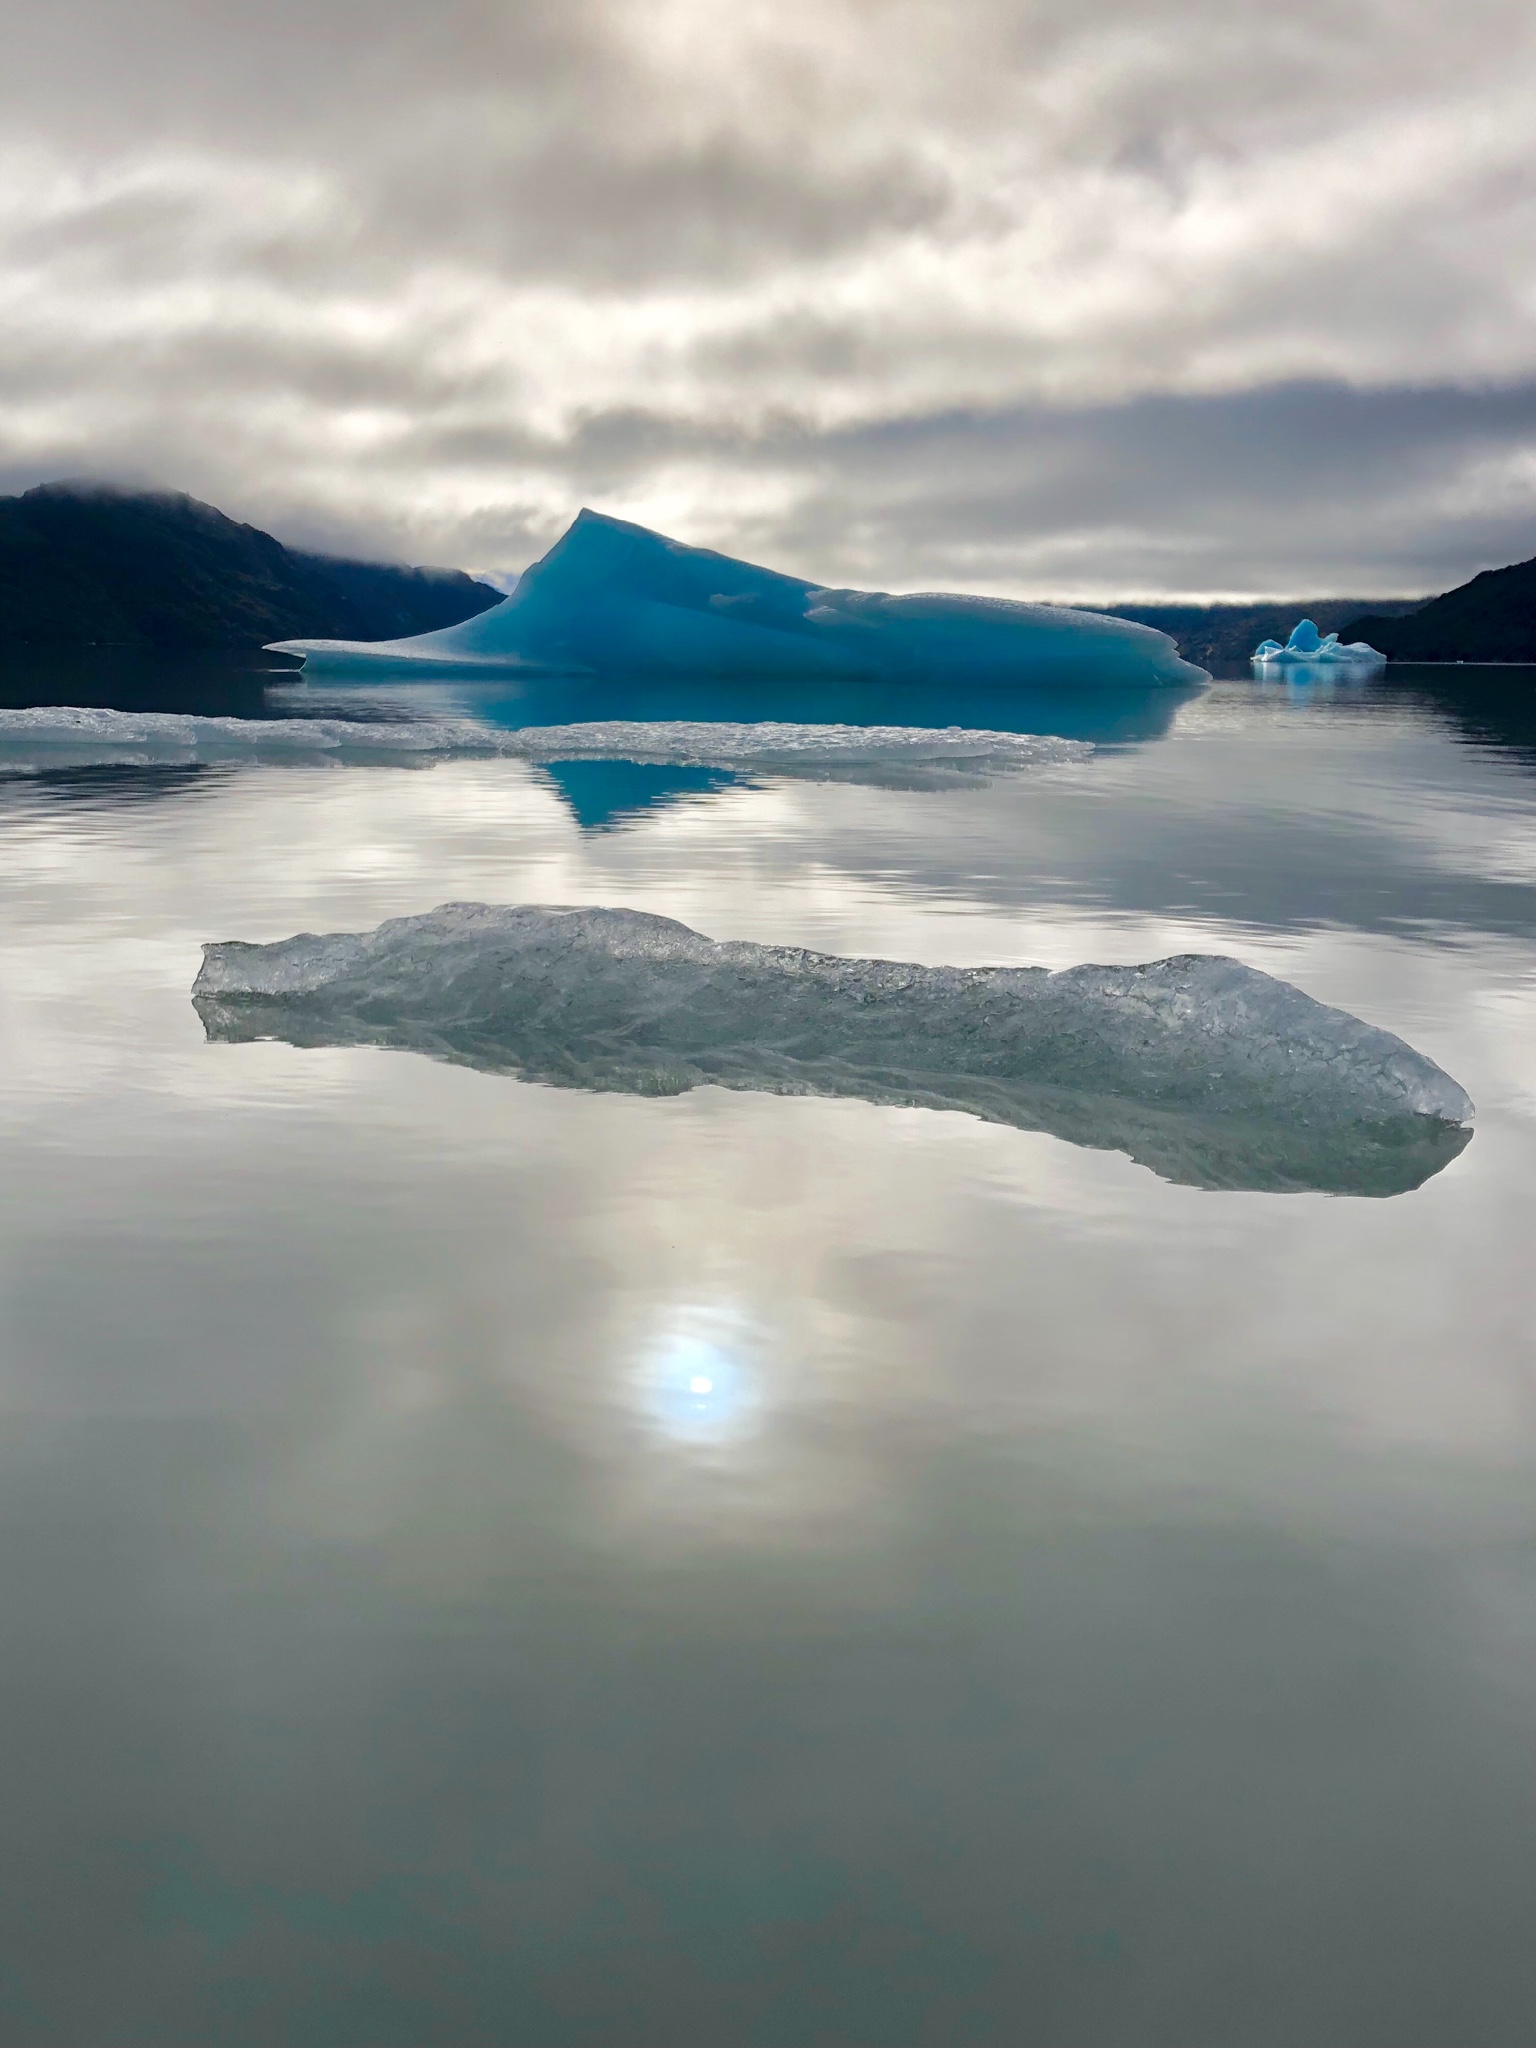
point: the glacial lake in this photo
(491, 1563)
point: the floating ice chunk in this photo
(611, 598)
(1306, 649)
(64, 735)
(1209, 1072)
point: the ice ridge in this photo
(1211, 1073)
(613, 598)
(51, 735)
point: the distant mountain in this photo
(1492, 618)
(1216, 635)
(84, 564)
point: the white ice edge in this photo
(1327, 658)
(40, 734)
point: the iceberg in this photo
(612, 598)
(1306, 649)
(1211, 1073)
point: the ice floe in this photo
(54, 736)
(1209, 1072)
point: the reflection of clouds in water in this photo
(696, 1378)
(849, 1280)
(513, 1342)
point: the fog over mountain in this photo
(1139, 297)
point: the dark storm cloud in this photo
(1149, 295)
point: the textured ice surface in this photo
(1305, 649)
(1207, 1071)
(56, 735)
(615, 599)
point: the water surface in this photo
(490, 1563)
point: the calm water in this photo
(487, 1564)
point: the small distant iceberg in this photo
(614, 599)
(1307, 649)
(1209, 1072)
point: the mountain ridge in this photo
(1216, 635)
(1492, 617)
(85, 563)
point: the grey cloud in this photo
(715, 210)
(163, 71)
(1149, 295)
(1294, 489)
(1300, 490)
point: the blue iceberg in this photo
(1307, 649)
(611, 598)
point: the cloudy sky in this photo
(1089, 298)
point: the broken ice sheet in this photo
(937, 757)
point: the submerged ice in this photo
(611, 598)
(1207, 1071)
(1306, 648)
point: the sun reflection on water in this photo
(696, 1379)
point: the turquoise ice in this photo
(611, 598)
(1306, 648)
